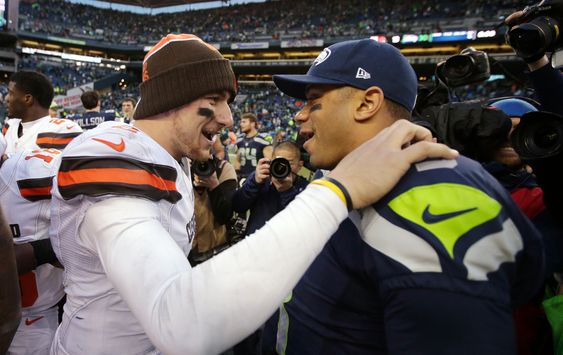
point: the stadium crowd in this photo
(284, 19)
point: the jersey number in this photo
(248, 154)
(15, 228)
(46, 158)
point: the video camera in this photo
(537, 31)
(204, 168)
(467, 67)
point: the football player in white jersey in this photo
(10, 309)
(29, 124)
(123, 222)
(25, 193)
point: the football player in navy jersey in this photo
(434, 267)
(251, 146)
(93, 115)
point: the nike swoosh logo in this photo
(30, 322)
(430, 218)
(70, 127)
(115, 146)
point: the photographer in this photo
(532, 33)
(214, 185)
(265, 195)
(267, 191)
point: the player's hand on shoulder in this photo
(375, 167)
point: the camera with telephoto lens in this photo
(537, 31)
(203, 168)
(280, 168)
(467, 67)
(539, 135)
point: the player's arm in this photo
(10, 307)
(30, 255)
(179, 303)
(174, 302)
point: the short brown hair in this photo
(129, 99)
(90, 99)
(249, 116)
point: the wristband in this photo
(43, 251)
(337, 188)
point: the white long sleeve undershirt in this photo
(206, 309)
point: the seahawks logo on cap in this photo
(323, 56)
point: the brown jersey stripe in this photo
(79, 163)
(36, 189)
(55, 140)
(118, 188)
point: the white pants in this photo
(35, 333)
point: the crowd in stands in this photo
(65, 74)
(283, 19)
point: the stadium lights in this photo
(73, 57)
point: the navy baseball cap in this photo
(360, 64)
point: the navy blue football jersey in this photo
(250, 151)
(91, 119)
(435, 267)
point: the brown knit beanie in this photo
(180, 69)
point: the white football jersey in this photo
(45, 132)
(111, 160)
(25, 195)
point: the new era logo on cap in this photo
(362, 74)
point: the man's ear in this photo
(370, 102)
(28, 99)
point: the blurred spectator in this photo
(127, 109)
(29, 96)
(213, 208)
(93, 116)
(251, 146)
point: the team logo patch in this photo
(323, 56)
(362, 74)
(446, 210)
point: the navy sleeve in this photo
(221, 200)
(288, 195)
(245, 197)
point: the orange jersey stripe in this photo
(114, 175)
(35, 191)
(53, 141)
